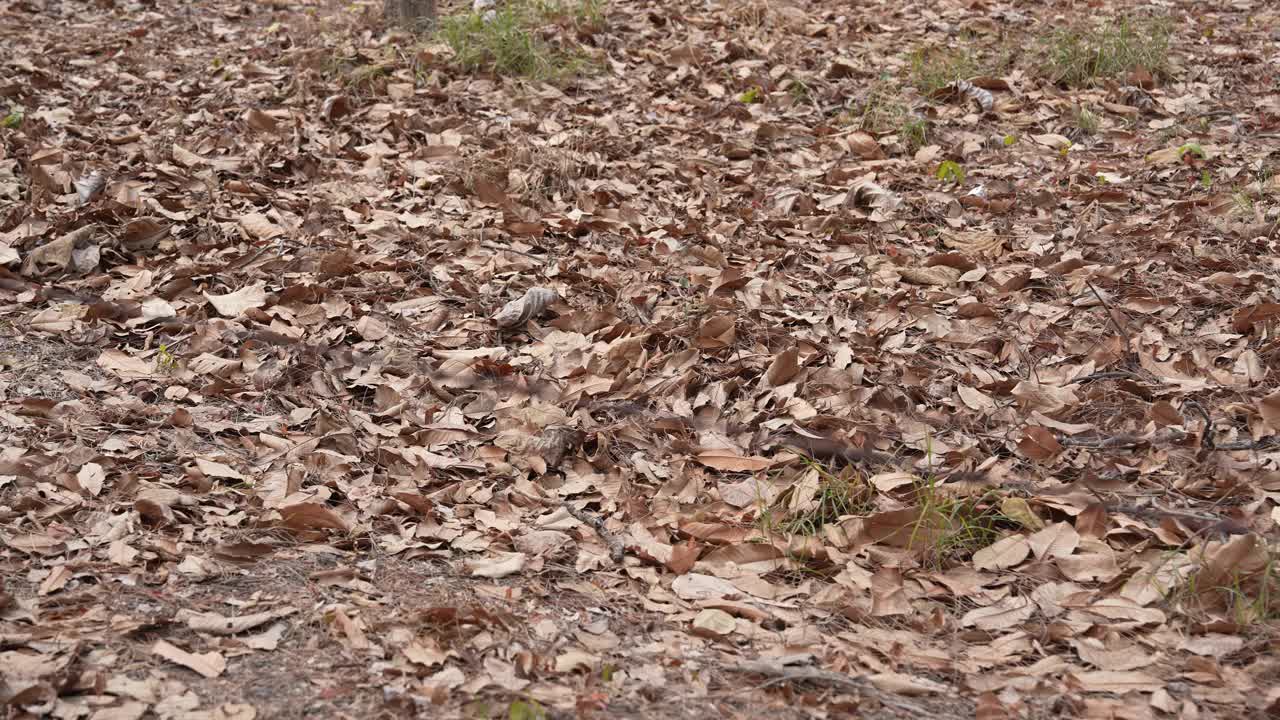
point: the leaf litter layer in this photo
(748, 358)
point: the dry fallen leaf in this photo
(762, 336)
(528, 306)
(234, 305)
(210, 664)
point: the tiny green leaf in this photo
(1192, 149)
(951, 172)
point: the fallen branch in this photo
(1128, 344)
(597, 523)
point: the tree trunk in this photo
(411, 14)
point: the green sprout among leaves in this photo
(1192, 149)
(752, 96)
(1065, 149)
(950, 172)
(1206, 179)
(12, 120)
(521, 710)
(165, 360)
(915, 133)
(1010, 140)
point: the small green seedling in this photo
(1010, 140)
(12, 120)
(950, 172)
(1192, 149)
(1206, 179)
(165, 361)
(1065, 149)
(521, 710)
(752, 96)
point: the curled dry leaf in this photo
(210, 664)
(523, 309)
(234, 304)
(60, 255)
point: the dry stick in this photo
(597, 523)
(1128, 346)
(794, 673)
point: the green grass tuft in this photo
(508, 40)
(1077, 55)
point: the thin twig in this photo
(597, 523)
(1128, 345)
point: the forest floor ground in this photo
(761, 358)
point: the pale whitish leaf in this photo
(91, 477)
(259, 226)
(1007, 613)
(498, 567)
(212, 468)
(1004, 553)
(210, 664)
(714, 622)
(233, 305)
(1109, 681)
(975, 399)
(1019, 510)
(887, 482)
(1057, 540)
(215, 624)
(126, 366)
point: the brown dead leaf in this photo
(1039, 444)
(728, 461)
